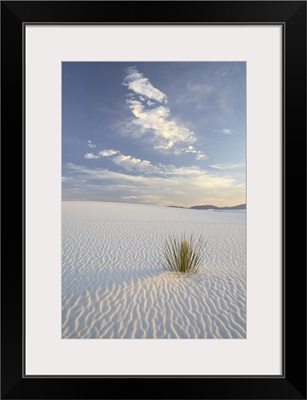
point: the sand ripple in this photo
(113, 285)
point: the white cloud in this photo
(90, 156)
(127, 162)
(88, 174)
(91, 144)
(103, 153)
(226, 131)
(165, 132)
(199, 154)
(142, 86)
(130, 163)
(137, 165)
(134, 164)
(227, 166)
(171, 185)
(167, 175)
(108, 153)
(65, 179)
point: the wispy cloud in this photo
(91, 144)
(105, 109)
(193, 175)
(133, 164)
(227, 166)
(199, 155)
(142, 86)
(90, 156)
(167, 133)
(169, 185)
(65, 179)
(195, 94)
(226, 131)
(130, 163)
(108, 153)
(103, 153)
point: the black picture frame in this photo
(292, 383)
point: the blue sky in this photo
(154, 132)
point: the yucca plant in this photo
(183, 256)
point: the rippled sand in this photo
(113, 285)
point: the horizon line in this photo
(159, 205)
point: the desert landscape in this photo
(114, 285)
(154, 200)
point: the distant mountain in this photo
(211, 207)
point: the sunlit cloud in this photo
(166, 184)
(90, 156)
(139, 84)
(199, 155)
(227, 166)
(108, 153)
(166, 132)
(134, 164)
(161, 133)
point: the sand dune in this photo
(113, 285)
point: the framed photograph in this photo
(163, 158)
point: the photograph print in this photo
(154, 200)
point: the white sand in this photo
(113, 285)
